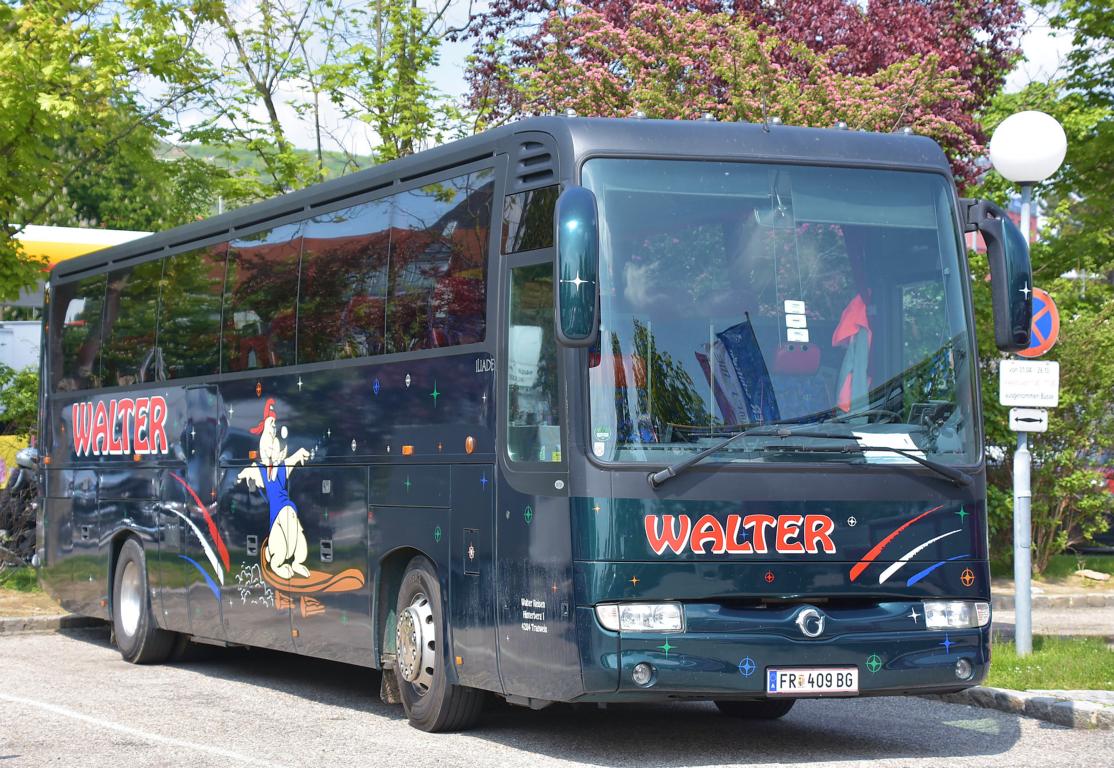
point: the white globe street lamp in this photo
(1026, 148)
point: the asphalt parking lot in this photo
(68, 699)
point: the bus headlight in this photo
(641, 617)
(955, 614)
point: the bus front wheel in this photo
(431, 702)
(137, 636)
(765, 709)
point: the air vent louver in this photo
(534, 163)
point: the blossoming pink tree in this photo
(930, 64)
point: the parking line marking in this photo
(125, 729)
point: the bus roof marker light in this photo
(570, 112)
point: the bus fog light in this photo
(954, 614)
(963, 669)
(643, 675)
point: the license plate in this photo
(812, 681)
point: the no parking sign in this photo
(1045, 328)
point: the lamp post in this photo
(1026, 148)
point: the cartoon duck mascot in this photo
(286, 548)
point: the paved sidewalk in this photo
(1065, 622)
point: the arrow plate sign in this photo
(1028, 419)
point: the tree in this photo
(69, 93)
(140, 183)
(682, 64)
(977, 39)
(286, 61)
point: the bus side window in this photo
(438, 263)
(130, 324)
(261, 293)
(190, 311)
(343, 288)
(533, 420)
(75, 324)
(528, 220)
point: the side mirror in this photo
(578, 265)
(28, 458)
(1011, 275)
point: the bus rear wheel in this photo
(137, 636)
(763, 709)
(431, 702)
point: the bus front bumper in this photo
(728, 654)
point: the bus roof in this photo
(576, 138)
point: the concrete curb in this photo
(1004, 601)
(1068, 712)
(17, 625)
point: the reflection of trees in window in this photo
(672, 394)
(344, 283)
(131, 319)
(76, 315)
(438, 263)
(532, 412)
(528, 220)
(259, 315)
(190, 312)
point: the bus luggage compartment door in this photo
(330, 610)
(472, 569)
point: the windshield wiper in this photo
(957, 476)
(657, 478)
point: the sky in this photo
(1044, 51)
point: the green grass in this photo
(22, 579)
(1078, 663)
(1063, 566)
(1060, 567)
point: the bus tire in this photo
(762, 709)
(430, 701)
(139, 639)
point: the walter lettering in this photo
(756, 534)
(120, 427)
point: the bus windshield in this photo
(743, 294)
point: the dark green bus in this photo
(574, 410)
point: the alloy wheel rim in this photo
(131, 595)
(416, 645)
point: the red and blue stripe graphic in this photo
(210, 555)
(877, 549)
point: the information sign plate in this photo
(1028, 420)
(1029, 383)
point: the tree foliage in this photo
(69, 99)
(19, 400)
(682, 64)
(976, 40)
(1070, 501)
(286, 66)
